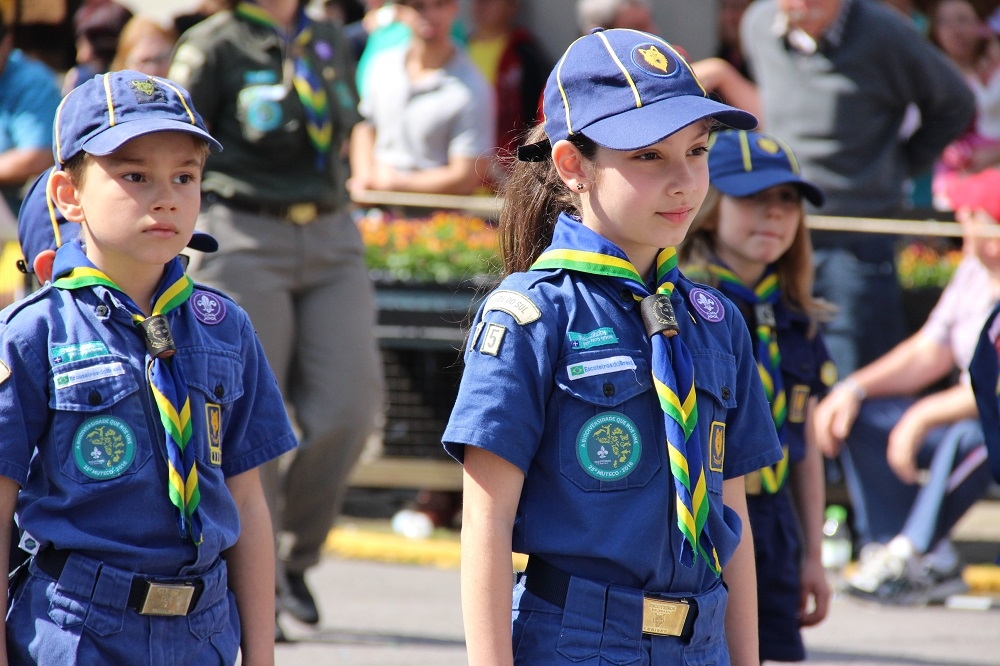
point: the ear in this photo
(573, 168)
(43, 265)
(66, 197)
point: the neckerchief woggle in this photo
(165, 378)
(576, 247)
(305, 79)
(763, 298)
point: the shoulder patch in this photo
(828, 373)
(516, 305)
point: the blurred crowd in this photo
(439, 105)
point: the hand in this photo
(904, 442)
(384, 177)
(814, 588)
(833, 419)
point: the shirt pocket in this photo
(215, 381)
(99, 427)
(715, 382)
(609, 437)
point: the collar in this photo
(803, 43)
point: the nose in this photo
(164, 199)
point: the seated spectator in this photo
(515, 64)
(96, 25)
(145, 46)
(429, 124)
(891, 431)
(975, 49)
(29, 96)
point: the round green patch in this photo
(104, 447)
(608, 446)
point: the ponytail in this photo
(533, 198)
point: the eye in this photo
(185, 178)
(648, 155)
(700, 151)
(133, 177)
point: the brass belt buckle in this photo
(302, 213)
(664, 618)
(167, 599)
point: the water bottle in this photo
(836, 538)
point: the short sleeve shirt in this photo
(424, 124)
(83, 438)
(557, 368)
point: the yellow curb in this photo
(982, 577)
(442, 552)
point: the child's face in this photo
(755, 231)
(139, 204)
(646, 199)
(985, 248)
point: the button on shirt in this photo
(75, 356)
(588, 355)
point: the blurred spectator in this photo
(730, 50)
(277, 90)
(97, 25)
(514, 63)
(975, 49)
(340, 12)
(634, 14)
(837, 79)
(29, 96)
(182, 22)
(145, 46)
(910, 10)
(890, 430)
(429, 124)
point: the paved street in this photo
(381, 614)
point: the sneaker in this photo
(877, 566)
(924, 586)
(297, 600)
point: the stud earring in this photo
(579, 187)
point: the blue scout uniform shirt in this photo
(555, 360)
(83, 438)
(985, 374)
(807, 371)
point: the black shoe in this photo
(297, 600)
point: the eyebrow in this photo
(118, 161)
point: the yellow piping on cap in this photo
(745, 151)
(56, 125)
(562, 91)
(111, 101)
(52, 210)
(180, 96)
(628, 77)
(789, 154)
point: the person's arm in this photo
(740, 574)
(941, 408)
(251, 569)
(458, 176)
(809, 493)
(719, 76)
(19, 165)
(910, 366)
(362, 157)
(8, 503)
(491, 490)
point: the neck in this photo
(138, 284)
(283, 11)
(749, 273)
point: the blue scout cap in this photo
(104, 113)
(626, 89)
(743, 163)
(40, 225)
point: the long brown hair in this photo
(794, 267)
(532, 199)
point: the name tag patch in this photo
(77, 352)
(596, 338)
(600, 366)
(89, 374)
